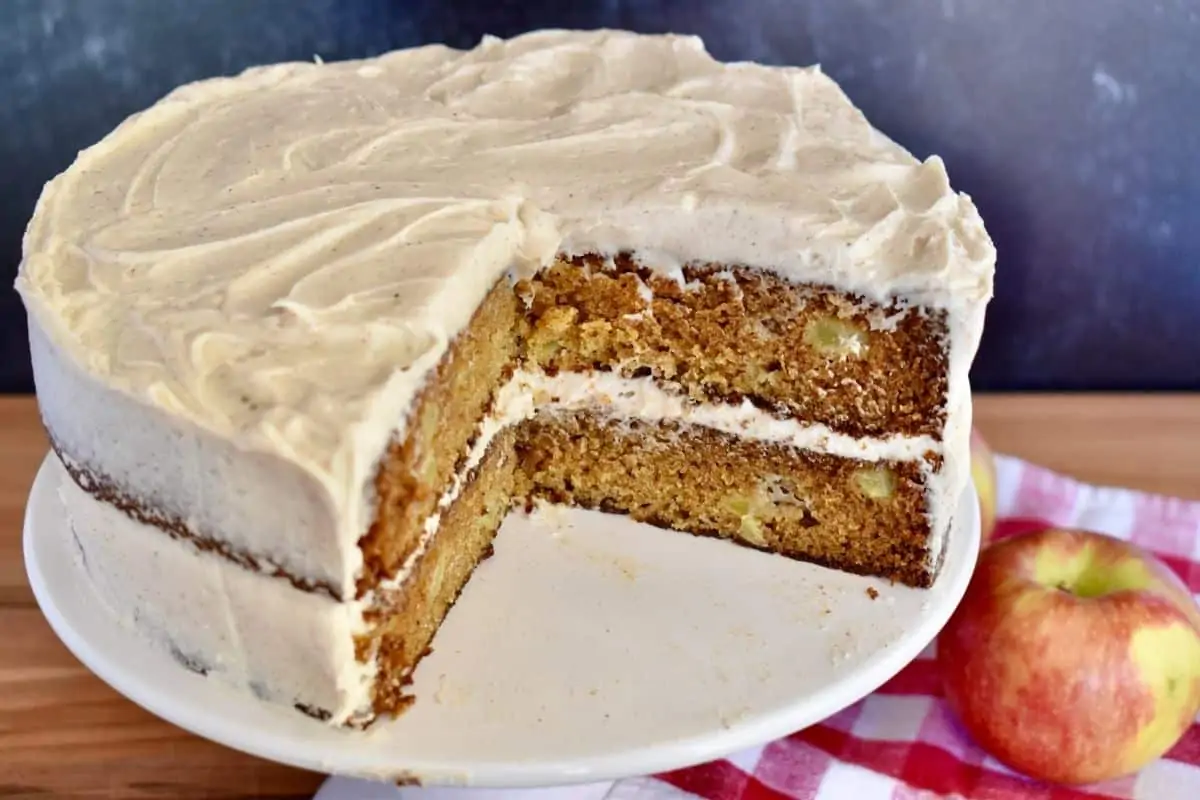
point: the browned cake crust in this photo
(851, 515)
(807, 352)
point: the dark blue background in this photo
(1075, 124)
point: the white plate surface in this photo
(588, 648)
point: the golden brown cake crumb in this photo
(798, 503)
(442, 426)
(731, 333)
(405, 619)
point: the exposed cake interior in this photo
(724, 335)
(727, 402)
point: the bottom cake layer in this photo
(863, 517)
(866, 517)
(347, 661)
(342, 661)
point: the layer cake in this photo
(304, 336)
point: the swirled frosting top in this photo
(283, 255)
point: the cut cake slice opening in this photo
(556, 391)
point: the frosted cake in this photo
(303, 337)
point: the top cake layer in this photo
(280, 258)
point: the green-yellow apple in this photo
(983, 475)
(1074, 657)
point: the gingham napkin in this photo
(901, 743)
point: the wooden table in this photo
(64, 733)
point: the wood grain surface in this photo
(63, 733)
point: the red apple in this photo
(983, 475)
(1073, 657)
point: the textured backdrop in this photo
(1075, 125)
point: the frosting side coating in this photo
(281, 257)
(217, 618)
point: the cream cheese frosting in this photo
(235, 625)
(272, 263)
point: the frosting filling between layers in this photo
(529, 392)
(646, 399)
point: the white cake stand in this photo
(589, 648)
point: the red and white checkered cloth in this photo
(901, 743)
